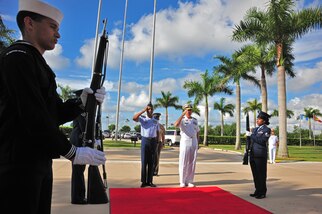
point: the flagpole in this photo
(300, 130)
(313, 129)
(152, 51)
(120, 74)
(96, 33)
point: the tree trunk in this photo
(166, 118)
(222, 125)
(263, 90)
(205, 140)
(282, 122)
(310, 129)
(238, 144)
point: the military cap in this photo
(187, 106)
(264, 116)
(156, 115)
(41, 8)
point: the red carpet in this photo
(178, 200)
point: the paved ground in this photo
(293, 187)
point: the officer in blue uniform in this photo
(149, 132)
(258, 154)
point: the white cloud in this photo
(309, 47)
(134, 101)
(305, 78)
(132, 87)
(193, 29)
(86, 58)
(55, 59)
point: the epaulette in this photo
(143, 116)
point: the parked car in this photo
(127, 135)
(135, 135)
(106, 133)
(113, 135)
(172, 137)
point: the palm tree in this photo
(224, 109)
(166, 101)
(66, 92)
(5, 36)
(309, 113)
(262, 56)
(208, 86)
(289, 113)
(236, 69)
(279, 25)
(253, 106)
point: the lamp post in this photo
(107, 118)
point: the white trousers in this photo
(187, 160)
(272, 154)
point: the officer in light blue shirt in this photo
(149, 133)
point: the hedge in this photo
(231, 140)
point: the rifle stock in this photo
(248, 141)
(96, 192)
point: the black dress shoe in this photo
(253, 195)
(144, 185)
(152, 185)
(260, 196)
(84, 201)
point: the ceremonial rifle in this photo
(96, 189)
(248, 142)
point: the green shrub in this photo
(231, 140)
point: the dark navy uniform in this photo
(149, 132)
(78, 181)
(258, 158)
(30, 114)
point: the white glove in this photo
(248, 133)
(85, 93)
(87, 155)
(99, 95)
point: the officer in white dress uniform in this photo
(188, 146)
(272, 145)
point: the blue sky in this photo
(188, 35)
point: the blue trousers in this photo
(259, 171)
(148, 147)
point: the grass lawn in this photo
(108, 143)
(296, 153)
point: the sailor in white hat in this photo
(33, 14)
(29, 100)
